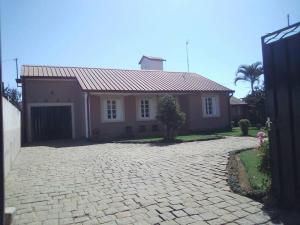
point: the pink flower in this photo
(261, 135)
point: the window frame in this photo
(152, 108)
(115, 107)
(214, 104)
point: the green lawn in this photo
(179, 139)
(236, 131)
(251, 159)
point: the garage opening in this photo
(51, 122)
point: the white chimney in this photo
(151, 63)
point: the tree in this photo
(170, 115)
(250, 73)
(13, 96)
(257, 106)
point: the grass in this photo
(236, 131)
(252, 159)
(179, 139)
(195, 137)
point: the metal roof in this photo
(123, 80)
(236, 101)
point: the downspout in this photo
(89, 115)
(229, 111)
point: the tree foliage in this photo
(170, 115)
(13, 96)
(250, 73)
(257, 106)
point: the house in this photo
(238, 109)
(76, 102)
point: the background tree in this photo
(13, 96)
(250, 73)
(170, 115)
(257, 106)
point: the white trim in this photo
(119, 109)
(153, 101)
(50, 79)
(85, 95)
(89, 114)
(215, 105)
(29, 105)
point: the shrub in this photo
(244, 125)
(170, 115)
(232, 123)
(265, 166)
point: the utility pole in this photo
(187, 55)
(288, 19)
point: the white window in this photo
(112, 109)
(146, 108)
(210, 106)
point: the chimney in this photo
(151, 63)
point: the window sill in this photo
(145, 119)
(211, 117)
(112, 121)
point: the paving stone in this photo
(129, 184)
(208, 216)
(179, 213)
(167, 216)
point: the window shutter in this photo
(216, 106)
(203, 107)
(120, 110)
(153, 107)
(103, 109)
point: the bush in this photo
(170, 115)
(244, 125)
(232, 124)
(265, 166)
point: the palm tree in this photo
(249, 73)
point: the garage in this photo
(51, 122)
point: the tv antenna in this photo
(187, 55)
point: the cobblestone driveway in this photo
(129, 184)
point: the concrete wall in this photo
(196, 121)
(52, 92)
(12, 133)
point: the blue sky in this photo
(116, 33)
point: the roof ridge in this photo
(83, 67)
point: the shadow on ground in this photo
(283, 216)
(62, 143)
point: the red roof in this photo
(122, 80)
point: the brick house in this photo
(76, 102)
(238, 108)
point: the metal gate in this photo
(281, 59)
(51, 122)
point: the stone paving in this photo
(139, 184)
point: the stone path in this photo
(129, 184)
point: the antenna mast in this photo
(17, 69)
(187, 55)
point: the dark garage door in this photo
(51, 122)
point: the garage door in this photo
(51, 122)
